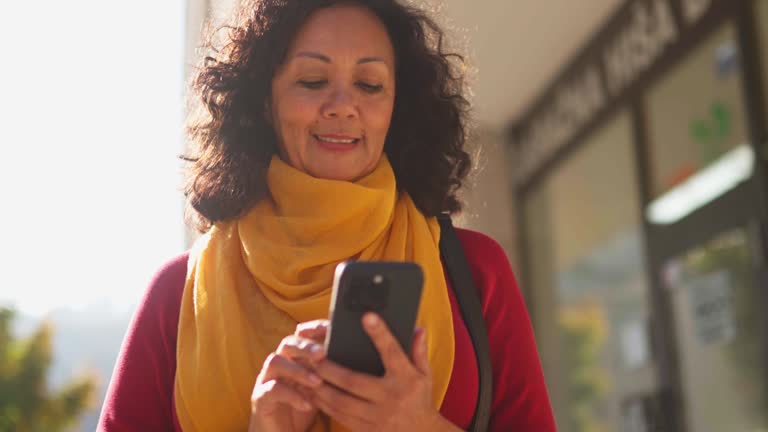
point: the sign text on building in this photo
(649, 31)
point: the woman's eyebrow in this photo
(326, 59)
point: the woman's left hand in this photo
(399, 400)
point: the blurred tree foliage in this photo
(26, 403)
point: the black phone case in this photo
(392, 290)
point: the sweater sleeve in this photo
(140, 394)
(520, 400)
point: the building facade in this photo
(640, 189)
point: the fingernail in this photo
(422, 335)
(306, 406)
(371, 320)
(314, 379)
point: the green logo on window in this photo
(711, 133)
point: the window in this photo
(697, 138)
(588, 284)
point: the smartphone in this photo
(390, 289)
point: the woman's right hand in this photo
(279, 400)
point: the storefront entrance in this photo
(644, 227)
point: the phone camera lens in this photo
(368, 293)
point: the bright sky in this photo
(90, 127)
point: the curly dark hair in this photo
(233, 142)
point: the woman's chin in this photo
(336, 165)
(337, 170)
(338, 175)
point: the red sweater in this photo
(140, 395)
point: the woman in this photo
(330, 130)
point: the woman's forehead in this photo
(345, 30)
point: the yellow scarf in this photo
(250, 281)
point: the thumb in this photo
(419, 350)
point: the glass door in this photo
(703, 229)
(718, 327)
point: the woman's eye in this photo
(312, 84)
(370, 88)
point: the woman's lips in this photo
(336, 142)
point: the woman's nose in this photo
(341, 105)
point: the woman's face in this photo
(332, 98)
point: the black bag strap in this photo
(471, 310)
